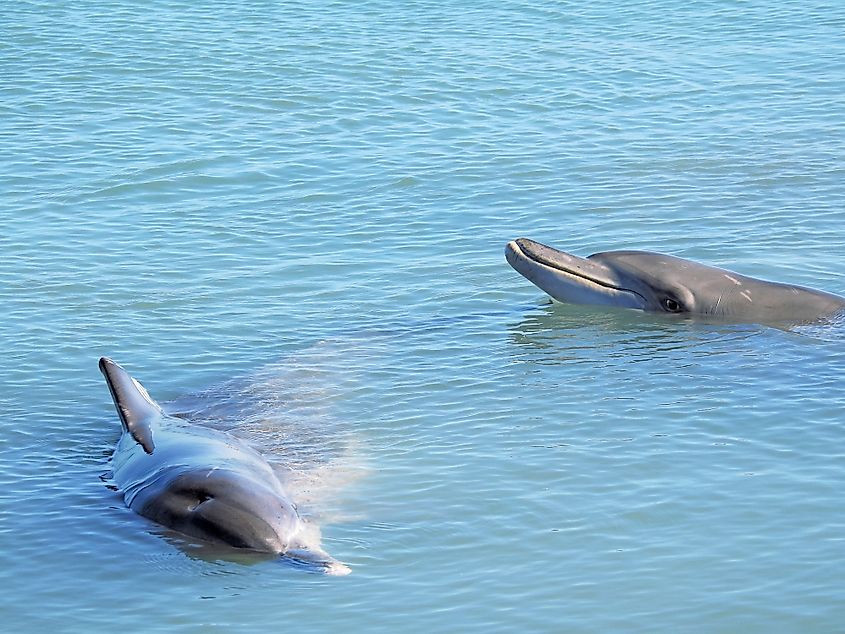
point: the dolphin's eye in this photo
(671, 305)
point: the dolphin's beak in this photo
(569, 278)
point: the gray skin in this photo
(201, 482)
(667, 284)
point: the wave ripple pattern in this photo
(288, 220)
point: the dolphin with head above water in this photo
(667, 284)
(201, 482)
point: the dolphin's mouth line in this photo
(582, 276)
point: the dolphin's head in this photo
(666, 284)
(221, 506)
(629, 279)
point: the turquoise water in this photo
(299, 210)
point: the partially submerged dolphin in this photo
(201, 482)
(667, 284)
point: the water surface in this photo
(312, 200)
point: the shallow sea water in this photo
(299, 210)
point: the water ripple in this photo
(206, 191)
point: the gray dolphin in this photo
(667, 284)
(201, 482)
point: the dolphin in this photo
(202, 482)
(661, 283)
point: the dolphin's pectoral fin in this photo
(315, 561)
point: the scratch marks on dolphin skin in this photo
(733, 279)
(747, 295)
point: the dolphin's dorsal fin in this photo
(134, 406)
